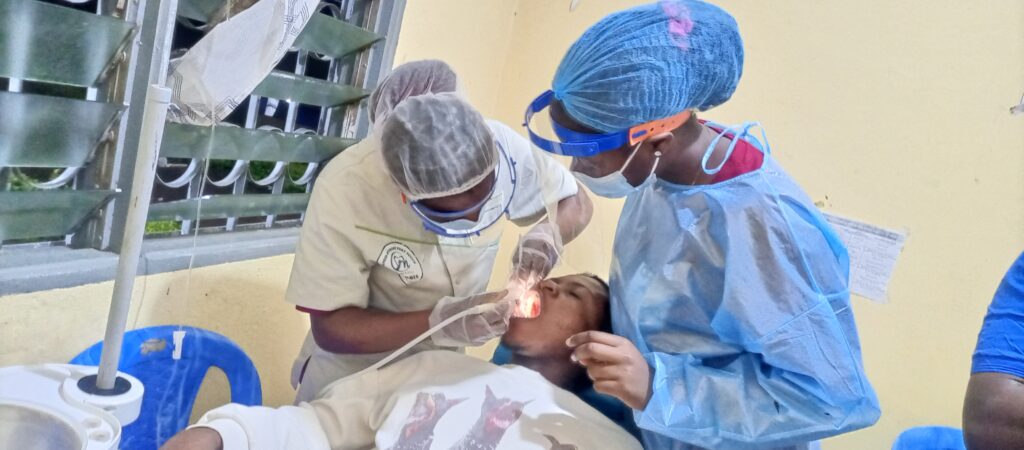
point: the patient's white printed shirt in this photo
(432, 400)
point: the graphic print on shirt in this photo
(418, 432)
(400, 259)
(555, 445)
(496, 415)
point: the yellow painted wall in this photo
(243, 301)
(895, 113)
(472, 36)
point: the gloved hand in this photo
(475, 328)
(537, 253)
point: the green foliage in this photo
(162, 226)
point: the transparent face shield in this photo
(490, 209)
(430, 214)
(590, 249)
(583, 145)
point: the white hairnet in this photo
(435, 145)
(414, 78)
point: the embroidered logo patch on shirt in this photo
(400, 259)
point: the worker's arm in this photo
(994, 406)
(573, 215)
(541, 248)
(330, 278)
(994, 412)
(541, 182)
(358, 330)
(366, 330)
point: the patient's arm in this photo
(238, 427)
(195, 439)
(994, 412)
(339, 421)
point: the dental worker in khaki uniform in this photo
(403, 228)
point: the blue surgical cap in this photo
(650, 62)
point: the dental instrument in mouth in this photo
(527, 305)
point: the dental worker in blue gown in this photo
(730, 292)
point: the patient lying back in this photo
(446, 400)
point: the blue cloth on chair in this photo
(610, 406)
(172, 385)
(930, 438)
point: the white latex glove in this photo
(537, 253)
(476, 328)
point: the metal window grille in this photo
(73, 74)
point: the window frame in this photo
(89, 254)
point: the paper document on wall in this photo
(873, 252)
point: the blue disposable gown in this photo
(736, 293)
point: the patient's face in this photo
(568, 305)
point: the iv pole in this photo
(154, 22)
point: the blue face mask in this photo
(615, 184)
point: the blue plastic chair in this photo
(930, 438)
(172, 385)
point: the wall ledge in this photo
(33, 269)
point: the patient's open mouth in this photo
(527, 305)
